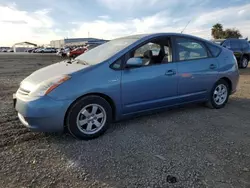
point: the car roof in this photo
(152, 35)
(219, 40)
(139, 36)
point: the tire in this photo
(212, 103)
(81, 110)
(244, 62)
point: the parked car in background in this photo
(4, 50)
(123, 78)
(37, 50)
(240, 47)
(31, 50)
(63, 52)
(76, 52)
(45, 50)
(48, 50)
(10, 50)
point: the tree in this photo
(232, 33)
(217, 31)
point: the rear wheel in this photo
(244, 62)
(89, 117)
(219, 95)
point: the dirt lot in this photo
(198, 146)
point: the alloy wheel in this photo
(91, 119)
(220, 94)
(244, 62)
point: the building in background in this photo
(76, 42)
(23, 46)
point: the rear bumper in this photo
(42, 114)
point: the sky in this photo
(40, 21)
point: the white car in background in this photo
(63, 52)
(48, 50)
(10, 50)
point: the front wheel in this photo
(219, 95)
(89, 117)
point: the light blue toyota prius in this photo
(125, 77)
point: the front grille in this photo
(23, 91)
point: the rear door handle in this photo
(170, 73)
(212, 66)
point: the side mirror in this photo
(134, 62)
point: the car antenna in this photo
(186, 26)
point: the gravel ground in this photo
(192, 146)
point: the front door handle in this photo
(212, 66)
(170, 73)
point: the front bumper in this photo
(41, 114)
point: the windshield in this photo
(105, 51)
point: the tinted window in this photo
(235, 44)
(188, 49)
(226, 44)
(244, 44)
(213, 49)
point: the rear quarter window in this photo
(244, 44)
(215, 51)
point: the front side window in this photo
(153, 52)
(189, 49)
(155, 48)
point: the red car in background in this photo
(76, 52)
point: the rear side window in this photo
(235, 44)
(215, 51)
(189, 49)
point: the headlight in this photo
(48, 85)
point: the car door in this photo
(236, 48)
(197, 69)
(150, 86)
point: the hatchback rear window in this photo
(214, 49)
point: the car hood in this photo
(54, 70)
